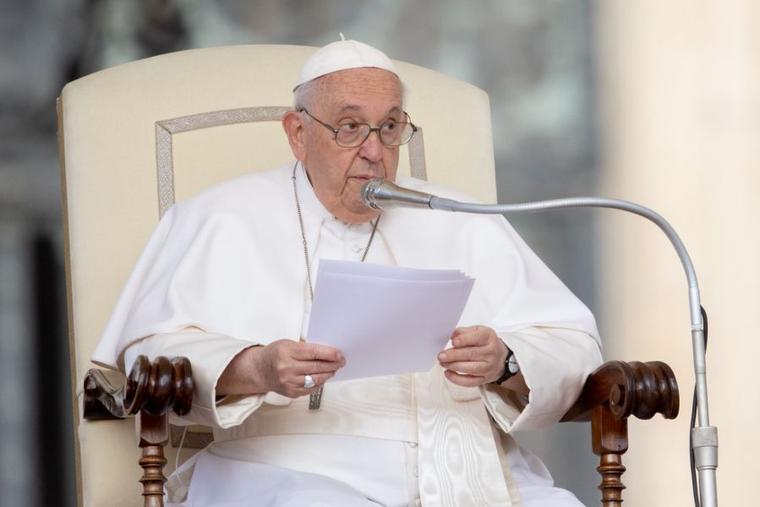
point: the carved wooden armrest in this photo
(149, 392)
(615, 391)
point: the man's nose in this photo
(372, 147)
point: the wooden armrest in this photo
(153, 388)
(149, 392)
(615, 391)
(639, 389)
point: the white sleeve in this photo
(555, 363)
(209, 355)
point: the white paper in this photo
(386, 320)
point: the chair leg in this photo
(611, 469)
(153, 438)
(610, 441)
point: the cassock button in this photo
(413, 445)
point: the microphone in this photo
(380, 194)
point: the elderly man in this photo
(226, 280)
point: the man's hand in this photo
(281, 367)
(285, 363)
(477, 356)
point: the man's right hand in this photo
(281, 367)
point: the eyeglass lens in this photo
(392, 133)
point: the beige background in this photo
(681, 133)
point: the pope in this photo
(227, 280)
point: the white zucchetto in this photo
(342, 55)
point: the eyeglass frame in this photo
(369, 132)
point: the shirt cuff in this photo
(209, 355)
(555, 363)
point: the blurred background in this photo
(655, 102)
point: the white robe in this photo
(229, 262)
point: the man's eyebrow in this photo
(348, 107)
(353, 108)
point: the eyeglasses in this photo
(352, 134)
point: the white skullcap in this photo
(342, 55)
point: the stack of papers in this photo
(386, 320)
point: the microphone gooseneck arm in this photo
(380, 194)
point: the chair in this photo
(135, 138)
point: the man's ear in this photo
(292, 123)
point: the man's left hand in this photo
(477, 356)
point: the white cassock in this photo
(230, 262)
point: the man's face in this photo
(365, 95)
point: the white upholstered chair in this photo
(138, 137)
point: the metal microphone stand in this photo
(704, 438)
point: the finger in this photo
(464, 380)
(462, 330)
(318, 378)
(294, 386)
(317, 352)
(296, 389)
(478, 368)
(312, 367)
(472, 337)
(463, 354)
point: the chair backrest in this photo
(137, 137)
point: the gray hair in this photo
(304, 94)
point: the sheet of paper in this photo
(385, 319)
